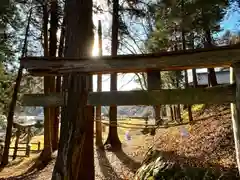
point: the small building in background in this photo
(223, 77)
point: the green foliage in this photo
(173, 18)
(13, 16)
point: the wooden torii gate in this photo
(225, 56)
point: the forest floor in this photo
(207, 142)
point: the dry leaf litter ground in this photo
(208, 142)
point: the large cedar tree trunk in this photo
(113, 138)
(75, 155)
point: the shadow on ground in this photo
(106, 167)
(127, 161)
(169, 165)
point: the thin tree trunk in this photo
(52, 53)
(212, 79)
(75, 155)
(99, 142)
(47, 150)
(194, 73)
(195, 82)
(186, 73)
(58, 86)
(189, 107)
(13, 102)
(113, 138)
(171, 112)
(178, 109)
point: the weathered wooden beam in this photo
(45, 100)
(212, 95)
(179, 60)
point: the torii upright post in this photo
(235, 108)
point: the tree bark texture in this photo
(75, 159)
(113, 138)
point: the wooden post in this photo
(39, 145)
(189, 107)
(154, 83)
(16, 143)
(28, 147)
(235, 109)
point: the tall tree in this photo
(99, 142)
(52, 53)
(59, 85)
(207, 21)
(14, 99)
(183, 15)
(47, 150)
(75, 155)
(113, 138)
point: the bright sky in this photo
(125, 82)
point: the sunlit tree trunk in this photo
(113, 138)
(75, 155)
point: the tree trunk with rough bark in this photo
(75, 155)
(113, 138)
